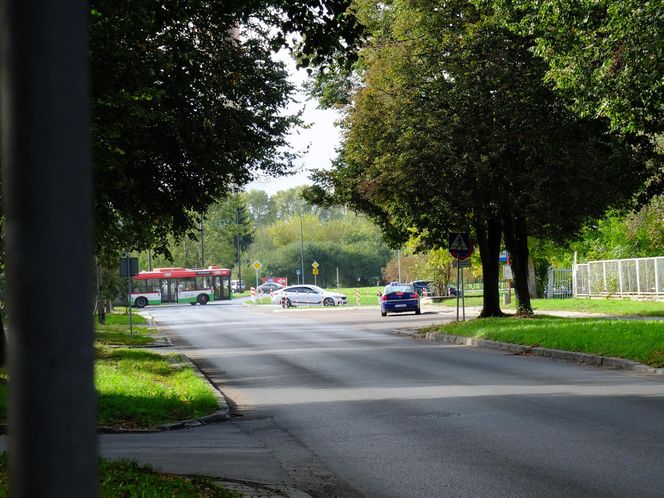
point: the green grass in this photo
(606, 306)
(119, 335)
(116, 331)
(123, 479)
(639, 340)
(368, 295)
(118, 318)
(139, 388)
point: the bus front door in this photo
(168, 294)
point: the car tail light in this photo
(416, 295)
(383, 297)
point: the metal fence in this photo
(559, 284)
(620, 277)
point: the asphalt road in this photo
(336, 403)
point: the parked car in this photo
(421, 285)
(397, 298)
(303, 295)
(453, 291)
(237, 286)
(268, 287)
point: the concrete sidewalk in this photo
(221, 450)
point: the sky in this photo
(322, 138)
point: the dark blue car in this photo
(397, 298)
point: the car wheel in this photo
(141, 302)
(383, 313)
(288, 303)
(328, 301)
(418, 311)
(203, 299)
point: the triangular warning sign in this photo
(459, 244)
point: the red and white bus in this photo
(181, 285)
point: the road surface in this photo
(350, 408)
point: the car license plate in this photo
(399, 305)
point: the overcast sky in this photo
(322, 138)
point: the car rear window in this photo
(398, 288)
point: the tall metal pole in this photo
(239, 266)
(202, 244)
(301, 248)
(399, 263)
(47, 181)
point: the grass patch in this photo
(639, 340)
(138, 388)
(119, 335)
(123, 319)
(368, 295)
(116, 331)
(122, 478)
(620, 307)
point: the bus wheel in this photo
(141, 302)
(203, 299)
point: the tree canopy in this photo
(606, 56)
(454, 128)
(189, 105)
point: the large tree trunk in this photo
(3, 342)
(487, 233)
(516, 241)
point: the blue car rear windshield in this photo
(398, 288)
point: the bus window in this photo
(152, 285)
(186, 284)
(203, 282)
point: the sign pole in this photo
(463, 294)
(458, 287)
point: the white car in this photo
(307, 295)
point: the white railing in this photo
(620, 277)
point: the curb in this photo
(571, 356)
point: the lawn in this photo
(606, 306)
(128, 479)
(139, 388)
(639, 340)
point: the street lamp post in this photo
(301, 248)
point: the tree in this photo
(455, 129)
(189, 105)
(184, 113)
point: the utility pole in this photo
(301, 248)
(239, 266)
(202, 244)
(47, 157)
(399, 263)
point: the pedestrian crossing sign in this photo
(460, 245)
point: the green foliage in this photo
(183, 115)
(454, 129)
(332, 237)
(637, 340)
(607, 56)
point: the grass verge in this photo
(119, 478)
(639, 340)
(619, 307)
(116, 330)
(138, 388)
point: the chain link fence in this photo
(637, 277)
